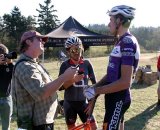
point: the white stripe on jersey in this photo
(116, 52)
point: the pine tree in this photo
(47, 20)
(15, 24)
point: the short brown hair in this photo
(24, 46)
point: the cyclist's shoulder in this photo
(65, 63)
(129, 39)
(86, 60)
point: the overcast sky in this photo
(89, 11)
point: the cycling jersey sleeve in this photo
(62, 69)
(91, 72)
(128, 50)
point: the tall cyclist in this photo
(123, 62)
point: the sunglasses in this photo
(75, 50)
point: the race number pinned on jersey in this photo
(79, 84)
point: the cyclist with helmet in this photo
(123, 62)
(75, 103)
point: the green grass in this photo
(142, 115)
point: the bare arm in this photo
(101, 82)
(123, 83)
(53, 86)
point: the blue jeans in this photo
(6, 111)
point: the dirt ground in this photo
(149, 56)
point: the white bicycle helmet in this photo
(126, 11)
(73, 40)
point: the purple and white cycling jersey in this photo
(125, 52)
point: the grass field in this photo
(142, 115)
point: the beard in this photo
(76, 57)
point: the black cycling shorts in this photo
(74, 108)
(115, 107)
(44, 127)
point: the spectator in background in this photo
(75, 103)
(6, 67)
(34, 91)
(158, 72)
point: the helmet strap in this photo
(118, 23)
